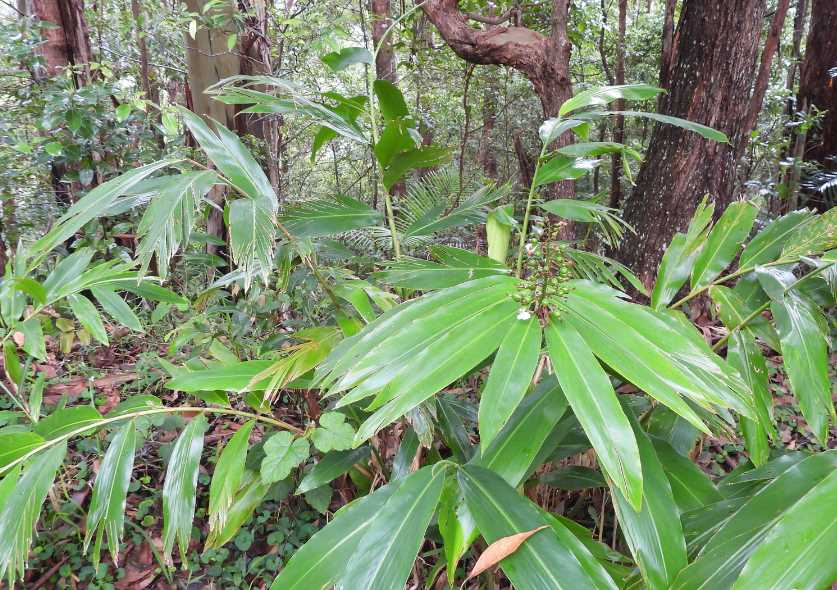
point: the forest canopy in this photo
(418, 295)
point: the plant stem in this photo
(525, 227)
(724, 279)
(757, 312)
(150, 412)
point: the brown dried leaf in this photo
(501, 549)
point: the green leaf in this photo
(456, 266)
(150, 290)
(575, 209)
(744, 355)
(227, 476)
(88, 316)
(54, 148)
(11, 363)
(664, 424)
(604, 95)
(340, 60)
(16, 444)
(252, 233)
(768, 243)
(553, 558)
(33, 337)
(332, 466)
(92, 205)
(331, 216)
(396, 137)
(347, 109)
(510, 376)
(22, 506)
(249, 497)
(515, 448)
(123, 111)
(470, 210)
(390, 100)
(116, 307)
(594, 402)
(701, 130)
(679, 258)
(385, 554)
(574, 477)
(552, 129)
(727, 551)
(456, 525)
(334, 434)
(180, 488)
(319, 498)
(724, 242)
(799, 550)
(106, 513)
(654, 534)
(323, 559)
(802, 334)
(36, 396)
(691, 487)
(402, 163)
(66, 420)
(561, 167)
(734, 310)
(283, 453)
(456, 437)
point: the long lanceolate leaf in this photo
(545, 560)
(510, 376)
(325, 556)
(724, 242)
(328, 216)
(384, 556)
(252, 232)
(180, 488)
(768, 243)
(227, 477)
(21, 507)
(107, 507)
(728, 550)
(743, 353)
(594, 402)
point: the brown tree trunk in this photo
(209, 61)
(619, 123)
(796, 43)
(711, 80)
(818, 84)
(68, 43)
(385, 60)
(668, 48)
(485, 153)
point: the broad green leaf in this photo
(347, 109)
(515, 448)
(574, 477)
(664, 424)
(33, 337)
(597, 148)
(404, 162)
(691, 487)
(575, 209)
(330, 467)
(768, 243)
(604, 95)
(743, 354)
(283, 453)
(799, 550)
(453, 431)
(396, 137)
(552, 129)
(384, 556)
(510, 376)
(679, 258)
(733, 310)
(333, 434)
(252, 232)
(812, 238)
(562, 167)
(249, 497)
(553, 558)
(226, 478)
(498, 229)
(180, 488)
(116, 307)
(654, 534)
(727, 551)
(701, 130)
(22, 506)
(149, 290)
(340, 60)
(17, 444)
(89, 317)
(65, 278)
(323, 559)
(92, 205)
(135, 403)
(455, 266)
(390, 100)
(11, 363)
(67, 420)
(456, 525)
(36, 396)
(802, 334)
(106, 513)
(724, 242)
(594, 402)
(328, 216)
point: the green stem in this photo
(724, 279)
(757, 312)
(525, 227)
(150, 412)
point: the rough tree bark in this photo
(796, 43)
(711, 79)
(485, 153)
(68, 43)
(818, 82)
(385, 60)
(667, 51)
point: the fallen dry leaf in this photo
(501, 549)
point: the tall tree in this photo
(619, 122)
(385, 60)
(818, 82)
(67, 43)
(711, 79)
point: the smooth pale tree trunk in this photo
(711, 80)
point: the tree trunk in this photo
(796, 44)
(68, 43)
(818, 83)
(711, 80)
(485, 153)
(619, 123)
(385, 60)
(209, 61)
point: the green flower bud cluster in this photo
(543, 288)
